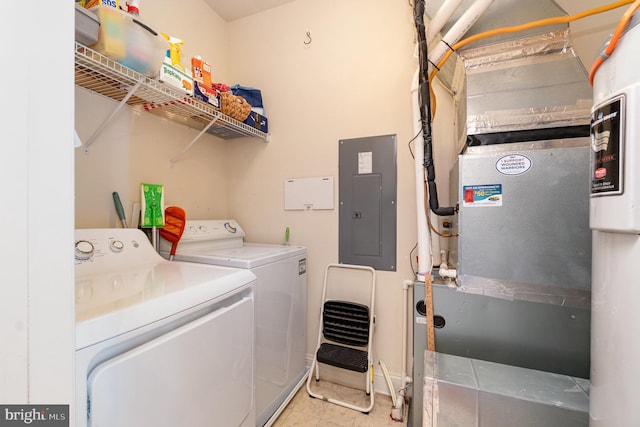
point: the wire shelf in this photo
(102, 75)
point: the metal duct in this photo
(521, 81)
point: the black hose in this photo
(425, 111)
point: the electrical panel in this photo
(367, 194)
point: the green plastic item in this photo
(152, 205)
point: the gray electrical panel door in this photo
(367, 193)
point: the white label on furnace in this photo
(365, 162)
(421, 320)
(513, 164)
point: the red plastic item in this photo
(175, 219)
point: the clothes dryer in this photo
(280, 298)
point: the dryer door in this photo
(197, 375)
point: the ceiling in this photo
(230, 10)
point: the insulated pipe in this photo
(424, 94)
(441, 17)
(459, 29)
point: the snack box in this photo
(201, 71)
(125, 39)
(91, 3)
(176, 78)
(257, 121)
(206, 94)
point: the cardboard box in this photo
(91, 3)
(176, 78)
(257, 121)
(201, 71)
(206, 94)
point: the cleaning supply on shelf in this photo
(173, 53)
(134, 7)
(152, 205)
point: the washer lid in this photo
(110, 304)
(249, 255)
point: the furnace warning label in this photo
(482, 195)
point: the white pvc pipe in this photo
(459, 29)
(444, 270)
(450, 273)
(440, 18)
(405, 293)
(424, 237)
(387, 377)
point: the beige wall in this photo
(352, 80)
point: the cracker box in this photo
(176, 78)
(201, 71)
(206, 94)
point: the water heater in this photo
(615, 221)
(615, 135)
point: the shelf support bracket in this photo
(193, 141)
(104, 124)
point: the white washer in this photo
(160, 343)
(281, 303)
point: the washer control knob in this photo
(116, 245)
(84, 249)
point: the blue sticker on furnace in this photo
(482, 195)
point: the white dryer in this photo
(280, 298)
(160, 343)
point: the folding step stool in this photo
(345, 339)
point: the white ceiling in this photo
(230, 10)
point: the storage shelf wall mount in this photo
(102, 75)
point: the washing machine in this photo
(280, 298)
(160, 343)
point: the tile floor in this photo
(303, 410)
